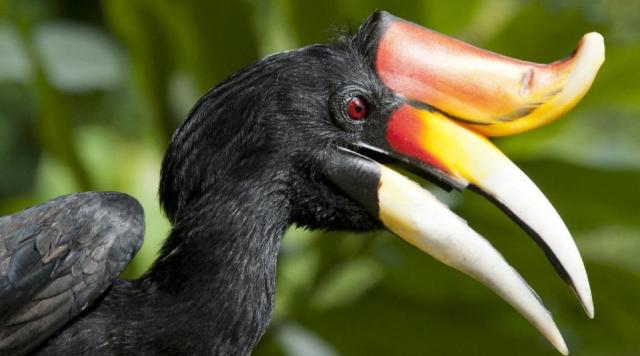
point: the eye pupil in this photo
(357, 108)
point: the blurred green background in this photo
(90, 92)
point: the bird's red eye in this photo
(357, 108)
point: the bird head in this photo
(325, 121)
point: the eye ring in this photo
(350, 107)
(357, 108)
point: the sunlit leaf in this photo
(488, 19)
(295, 274)
(272, 26)
(347, 283)
(182, 92)
(54, 179)
(617, 246)
(78, 58)
(102, 152)
(297, 340)
(604, 137)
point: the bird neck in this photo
(216, 272)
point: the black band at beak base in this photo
(356, 175)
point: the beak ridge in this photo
(490, 93)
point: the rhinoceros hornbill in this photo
(298, 137)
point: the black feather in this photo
(59, 257)
(248, 161)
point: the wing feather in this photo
(57, 258)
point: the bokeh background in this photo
(90, 92)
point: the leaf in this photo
(54, 178)
(150, 56)
(617, 81)
(14, 62)
(297, 340)
(348, 283)
(272, 26)
(449, 17)
(618, 246)
(101, 151)
(604, 138)
(211, 39)
(296, 270)
(488, 19)
(77, 58)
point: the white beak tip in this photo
(591, 50)
(590, 312)
(586, 300)
(555, 338)
(588, 308)
(564, 352)
(550, 331)
(595, 41)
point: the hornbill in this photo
(300, 138)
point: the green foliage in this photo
(90, 93)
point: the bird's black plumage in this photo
(297, 138)
(249, 161)
(57, 258)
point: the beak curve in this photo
(471, 160)
(490, 93)
(452, 96)
(416, 216)
(455, 95)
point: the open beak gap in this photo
(470, 158)
(420, 219)
(452, 96)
